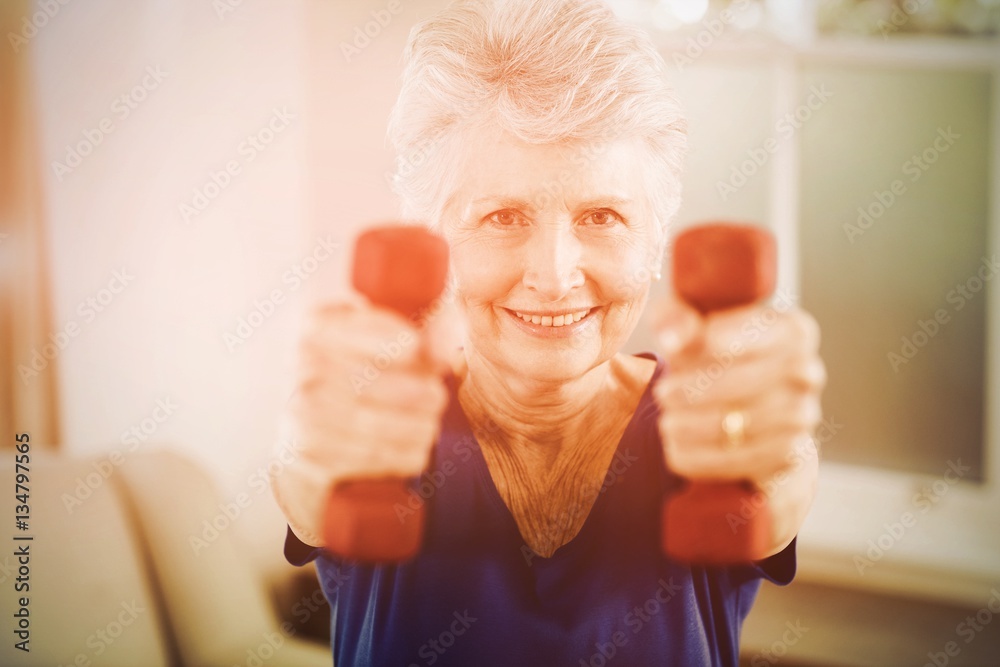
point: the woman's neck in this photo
(548, 445)
(546, 417)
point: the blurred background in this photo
(180, 179)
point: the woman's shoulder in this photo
(636, 375)
(636, 372)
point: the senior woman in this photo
(539, 138)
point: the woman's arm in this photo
(761, 365)
(789, 494)
(349, 424)
(301, 489)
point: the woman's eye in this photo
(504, 218)
(602, 217)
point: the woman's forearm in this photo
(789, 494)
(300, 490)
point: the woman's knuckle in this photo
(806, 411)
(805, 328)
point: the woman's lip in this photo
(553, 318)
(551, 313)
(549, 329)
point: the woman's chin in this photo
(534, 353)
(557, 365)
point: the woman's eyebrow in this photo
(527, 204)
(602, 202)
(505, 201)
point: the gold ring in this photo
(734, 426)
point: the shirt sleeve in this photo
(297, 552)
(780, 568)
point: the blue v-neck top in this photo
(476, 596)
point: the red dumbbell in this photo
(715, 267)
(403, 268)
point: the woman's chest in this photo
(551, 497)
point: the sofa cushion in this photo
(89, 597)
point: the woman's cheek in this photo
(482, 271)
(623, 272)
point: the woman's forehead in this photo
(497, 166)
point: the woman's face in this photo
(553, 247)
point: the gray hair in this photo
(545, 71)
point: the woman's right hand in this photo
(368, 404)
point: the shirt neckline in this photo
(482, 471)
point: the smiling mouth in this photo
(561, 320)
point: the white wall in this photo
(162, 337)
(351, 93)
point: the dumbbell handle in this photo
(403, 268)
(715, 267)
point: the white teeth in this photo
(550, 321)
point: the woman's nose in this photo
(553, 262)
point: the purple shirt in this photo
(476, 596)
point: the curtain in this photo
(28, 342)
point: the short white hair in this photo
(545, 71)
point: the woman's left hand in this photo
(754, 372)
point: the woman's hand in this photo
(368, 404)
(759, 368)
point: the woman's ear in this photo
(657, 257)
(445, 333)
